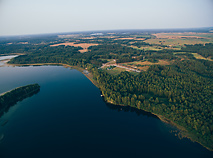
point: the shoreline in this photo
(183, 131)
(89, 75)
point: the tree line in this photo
(12, 97)
(181, 92)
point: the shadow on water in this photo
(130, 109)
(5, 107)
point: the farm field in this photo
(120, 66)
(177, 42)
(184, 35)
(83, 45)
(180, 39)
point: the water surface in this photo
(68, 118)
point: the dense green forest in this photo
(181, 92)
(10, 98)
(71, 55)
(206, 51)
(179, 95)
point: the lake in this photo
(4, 59)
(68, 118)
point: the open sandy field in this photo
(83, 45)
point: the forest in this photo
(180, 92)
(205, 51)
(10, 98)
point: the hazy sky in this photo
(19, 17)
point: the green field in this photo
(115, 71)
(198, 56)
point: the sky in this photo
(21, 17)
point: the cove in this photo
(68, 118)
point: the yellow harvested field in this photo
(182, 35)
(180, 39)
(176, 42)
(83, 45)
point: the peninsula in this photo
(10, 98)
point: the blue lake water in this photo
(68, 118)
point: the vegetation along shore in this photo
(11, 97)
(166, 77)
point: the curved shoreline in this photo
(183, 131)
(89, 75)
(11, 97)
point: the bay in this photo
(68, 118)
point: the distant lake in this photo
(68, 118)
(6, 57)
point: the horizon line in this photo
(110, 30)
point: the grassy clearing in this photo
(179, 53)
(115, 71)
(144, 68)
(198, 56)
(155, 48)
(161, 62)
(144, 65)
(109, 60)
